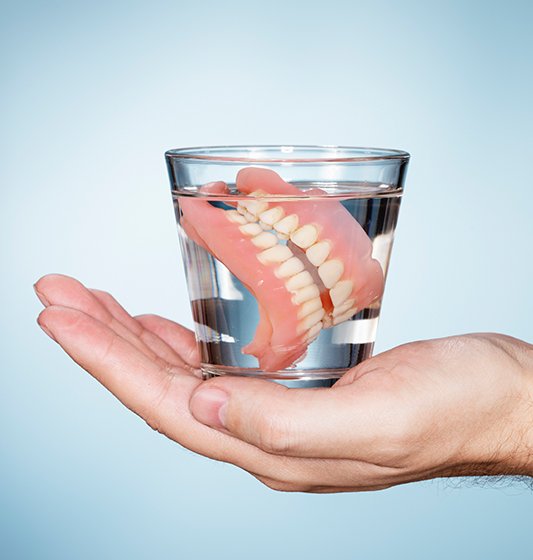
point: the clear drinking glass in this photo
(286, 251)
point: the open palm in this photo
(460, 405)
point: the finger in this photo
(57, 289)
(154, 342)
(158, 396)
(352, 422)
(180, 339)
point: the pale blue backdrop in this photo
(92, 94)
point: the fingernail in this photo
(41, 297)
(209, 405)
(46, 329)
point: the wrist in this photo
(500, 440)
(515, 447)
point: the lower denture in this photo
(322, 277)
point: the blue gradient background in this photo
(92, 94)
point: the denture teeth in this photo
(287, 225)
(265, 240)
(341, 309)
(272, 215)
(318, 252)
(305, 294)
(310, 320)
(305, 236)
(344, 317)
(298, 281)
(289, 268)
(309, 307)
(235, 217)
(247, 215)
(313, 332)
(330, 272)
(251, 229)
(255, 207)
(274, 255)
(340, 291)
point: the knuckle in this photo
(275, 435)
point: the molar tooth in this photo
(298, 281)
(305, 294)
(274, 255)
(330, 272)
(344, 317)
(313, 332)
(310, 320)
(305, 236)
(272, 215)
(309, 307)
(289, 268)
(287, 225)
(341, 309)
(235, 217)
(265, 240)
(340, 291)
(251, 229)
(318, 252)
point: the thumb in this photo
(332, 423)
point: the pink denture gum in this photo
(307, 262)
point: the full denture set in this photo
(308, 262)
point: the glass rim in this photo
(331, 154)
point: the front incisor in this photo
(341, 291)
(330, 272)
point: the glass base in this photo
(292, 378)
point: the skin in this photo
(454, 406)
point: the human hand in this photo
(447, 407)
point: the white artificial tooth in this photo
(274, 255)
(250, 217)
(330, 272)
(305, 294)
(309, 307)
(340, 291)
(264, 226)
(345, 316)
(289, 268)
(255, 207)
(313, 332)
(241, 209)
(235, 217)
(341, 309)
(251, 229)
(272, 215)
(318, 252)
(310, 320)
(298, 281)
(287, 225)
(265, 240)
(305, 236)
